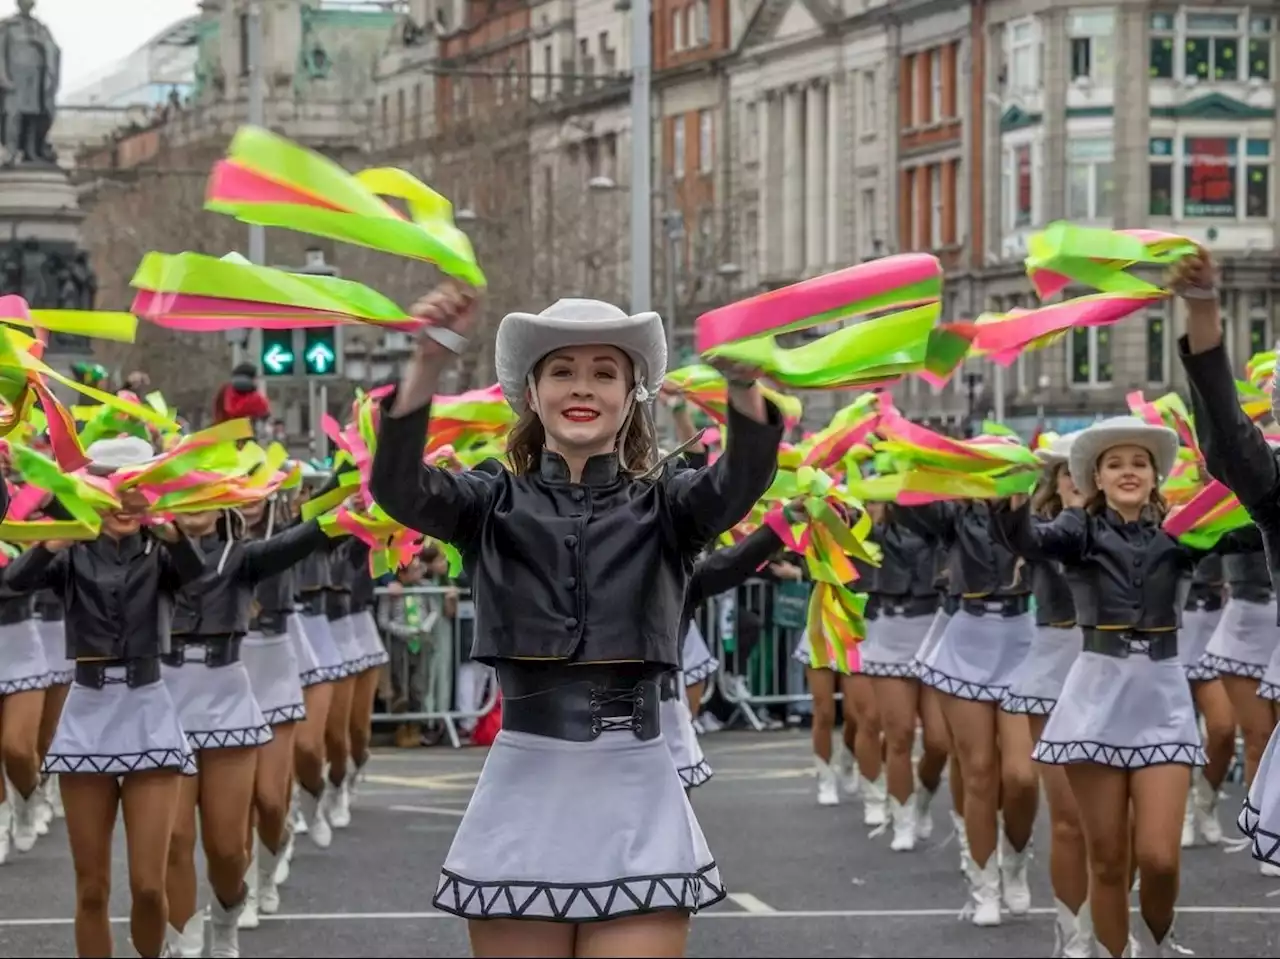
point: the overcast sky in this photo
(95, 33)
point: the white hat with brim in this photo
(1058, 450)
(1089, 444)
(525, 338)
(107, 456)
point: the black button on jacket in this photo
(118, 593)
(590, 571)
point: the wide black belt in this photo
(132, 673)
(312, 604)
(581, 710)
(274, 623)
(1006, 606)
(669, 687)
(1204, 604)
(218, 651)
(1123, 643)
(880, 604)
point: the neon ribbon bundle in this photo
(905, 289)
(1208, 516)
(474, 418)
(99, 324)
(84, 498)
(828, 544)
(848, 429)
(269, 181)
(705, 388)
(1064, 254)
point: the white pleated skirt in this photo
(937, 629)
(686, 749)
(23, 667)
(116, 730)
(369, 641)
(347, 644)
(892, 644)
(215, 706)
(274, 677)
(309, 671)
(320, 637)
(1260, 817)
(1269, 688)
(1246, 638)
(53, 636)
(977, 655)
(1125, 712)
(577, 832)
(698, 662)
(1037, 683)
(1198, 627)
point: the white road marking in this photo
(750, 903)
(431, 810)
(715, 914)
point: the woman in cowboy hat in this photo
(1124, 724)
(579, 839)
(1237, 454)
(1034, 691)
(119, 740)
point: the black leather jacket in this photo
(908, 565)
(1052, 588)
(1206, 585)
(14, 608)
(217, 604)
(725, 569)
(342, 575)
(1234, 451)
(118, 593)
(978, 565)
(591, 571)
(49, 606)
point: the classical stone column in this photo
(815, 178)
(767, 192)
(834, 184)
(792, 182)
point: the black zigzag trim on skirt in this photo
(1268, 690)
(285, 714)
(26, 684)
(62, 677)
(1233, 667)
(121, 764)
(1200, 672)
(905, 670)
(1266, 844)
(231, 738)
(694, 776)
(565, 901)
(1121, 757)
(1027, 705)
(700, 672)
(959, 688)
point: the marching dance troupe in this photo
(205, 662)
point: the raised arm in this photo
(1061, 539)
(37, 568)
(706, 502)
(266, 557)
(933, 522)
(726, 568)
(180, 562)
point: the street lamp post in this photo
(641, 155)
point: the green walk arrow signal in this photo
(277, 352)
(320, 353)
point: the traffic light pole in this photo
(257, 117)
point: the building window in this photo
(1022, 47)
(1257, 178)
(935, 81)
(1089, 181)
(1259, 322)
(868, 111)
(1091, 35)
(1204, 177)
(1019, 187)
(706, 133)
(935, 200)
(1160, 176)
(1157, 346)
(704, 22)
(547, 70)
(1090, 355)
(677, 30)
(867, 224)
(677, 147)
(1215, 46)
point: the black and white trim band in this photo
(231, 738)
(1201, 672)
(701, 672)
(960, 688)
(1027, 705)
(122, 764)
(1120, 757)
(1269, 690)
(285, 714)
(905, 670)
(26, 684)
(578, 902)
(1266, 844)
(1234, 667)
(694, 776)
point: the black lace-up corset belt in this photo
(581, 703)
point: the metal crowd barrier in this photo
(431, 658)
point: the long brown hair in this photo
(1045, 501)
(637, 451)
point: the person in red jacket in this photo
(241, 398)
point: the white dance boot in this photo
(1144, 944)
(1204, 799)
(187, 943)
(962, 839)
(903, 817)
(295, 811)
(1073, 932)
(24, 820)
(44, 811)
(6, 826)
(875, 793)
(248, 918)
(1189, 820)
(984, 891)
(285, 859)
(53, 792)
(336, 802)
(1013, 876)
(268, 889)
(847, 771)
(1101, 951)
(924, 819)
(224, 929)
(828, 791)
(314, 813)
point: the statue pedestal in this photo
(40, 254)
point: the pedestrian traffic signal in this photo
(320, 353)
(277, 352)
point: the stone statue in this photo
(30, 67)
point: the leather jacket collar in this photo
(600, 470)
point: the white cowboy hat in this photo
(524, 339)
(1058, 450)
(1089, 444)
(107, 456)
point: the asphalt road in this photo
(805, 881)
